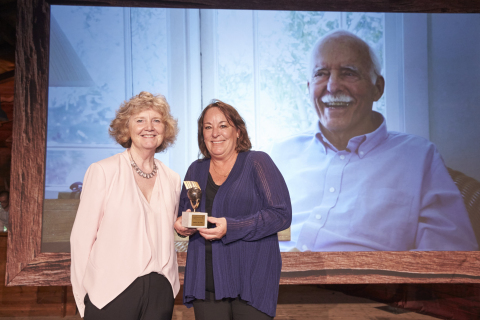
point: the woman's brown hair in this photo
(233, 118)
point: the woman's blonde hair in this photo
(143, 101)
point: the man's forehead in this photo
(339, 64)
(342, 54)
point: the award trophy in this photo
(194, 219)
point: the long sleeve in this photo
(85, 228)
(276, 211)
(104, 260)
(388, 191)
(443, 221)
(246, 261)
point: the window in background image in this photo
(261, 62)
(253, 60)
(99, 58)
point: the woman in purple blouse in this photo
(233, 267)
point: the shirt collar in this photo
(361, 144)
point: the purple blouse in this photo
(246, 261)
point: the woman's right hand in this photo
(181, 230)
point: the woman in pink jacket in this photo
(124, 263)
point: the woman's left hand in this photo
(215, 233)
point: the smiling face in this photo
(341, 87)
(220, 137)
(147, 130)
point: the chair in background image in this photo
(470, 190)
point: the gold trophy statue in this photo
(194, 219)
(195, 195)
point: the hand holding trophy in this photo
(194, 219)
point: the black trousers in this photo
(226, 309)
(149, 297)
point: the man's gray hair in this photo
(375, 67)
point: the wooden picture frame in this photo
(27, 265)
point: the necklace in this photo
(223, 175)
(140, 172)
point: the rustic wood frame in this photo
(27, 265)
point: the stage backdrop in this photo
(257, 61)
(423, 64)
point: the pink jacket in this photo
(109, 242)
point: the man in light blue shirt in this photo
(356, 186)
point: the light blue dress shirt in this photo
(387, 191)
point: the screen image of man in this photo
(356, 186)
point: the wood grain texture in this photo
(435, 262)
(375, 267)
(26, 265)
(46, 269)
(29, 131)
(32, 301)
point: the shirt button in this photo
(361, 153)
(304, 247)
(318, 216)
(332, 189)
(342, 157)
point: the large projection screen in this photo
(31, 264)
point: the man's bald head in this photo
(356, 42)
